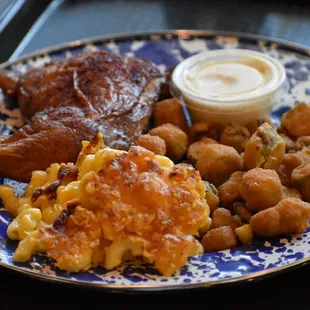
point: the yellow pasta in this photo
(109, 206)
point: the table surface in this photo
(65, 21)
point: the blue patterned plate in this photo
(263, 256)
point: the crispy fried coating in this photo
(212, 197)
(229, 191)
(296, 121)
(301, 179)
(302, 143)
(236, 136)
(205, 129)
(243, 213)
(219, 239)
(170, 111)
(218, 163)
(152, 143)
(289, 216)
(197, 149)
(290, 162)
(222, 217)
(175, 138)
(261, 189)
(290, 145)
(291, 193)
(135, 201)
(265, 149)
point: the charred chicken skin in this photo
(66, 102)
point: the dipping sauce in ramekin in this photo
(229, 85)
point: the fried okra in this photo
(301, 179)
(302, 143)
(175, 138)
(289, 143)
(265, 149)
(218, 163)
(229, 191)
(211, 196)
(236, 136)
(289, 216)
(154, 144)
(296, 121)
(261, 189)
(291, 193)
(243, 213)
(170, 111)
(204, 129)
(289, 163)
(197, 149)
(218, 239)
(222, 217)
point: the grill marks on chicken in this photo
(70, 101)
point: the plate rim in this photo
(177, 32)
(180, 33)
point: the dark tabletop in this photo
(64, 21)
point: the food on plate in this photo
(68, 101)
(236, 136)
(218, 163)
(289, 163)
(289, 216)
(109, 203)
(290, 144)
(197, 150)
(222, 217)
(264, 149)
(218, 239)
(301, 179)
(203, 129)
(175, 138)
(229, 190)
(170, 111)
(154, 144)
(291, 193)
(242, 212)
(261, 189)
(296, 120)
(116, 175)
(212, 196)
(302, 143)
(245, 233)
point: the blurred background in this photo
(28, 25)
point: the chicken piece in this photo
(229, 191)
(218, 163)
(261, 189)
(70, 101)
(236, 136)
(222, 217)
(265, 149)
(296, 121)
(289, 216)
(301, 179)
(197, 149)
(152, 143)
(175, 138)
(170, 111)
(219, 239)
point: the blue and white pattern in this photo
(241, 263)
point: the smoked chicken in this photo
(68, 101)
